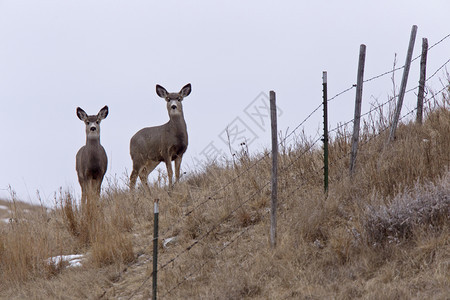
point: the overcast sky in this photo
(57, 55)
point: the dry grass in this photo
(381, 234)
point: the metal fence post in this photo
(155, 247)
(325, 132)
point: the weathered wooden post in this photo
(155, 247)
(401, 95)
(423, 71)
(273, 210)
(325, 132)
(358, 101)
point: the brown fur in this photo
(91, 159)
(165, 143)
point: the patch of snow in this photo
(5, 220)
(4, 207)
(169, 240)
(73, 260)
(318, 244)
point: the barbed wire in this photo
(297, 187)
(387, 127)
(304, 121)
(192, 245)
(227, 217)
(340, 93)
(187, 249)
(365, 142)
(383, 74)
(247, 169)
(434, 74)
(438, 42)
(202, 237)
(301, 123)
(259, 160)
(390, 100)
(184, 251)
(205, 262)
(390, 71)
(402, 67)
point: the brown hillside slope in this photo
(381, 234)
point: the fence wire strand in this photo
(310, 147)
(390, 100)
(247, 169)
(402, 67)
(187, 249)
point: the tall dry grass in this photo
(33, 235)
(382, 233)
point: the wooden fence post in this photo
(325, 132)
(273, 210)
(358, 101)
(155, 247)
(423, 71)
(401, 95)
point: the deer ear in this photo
(82, 115)
(103, 113)
(186, 90)
(161, 91)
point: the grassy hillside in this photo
(381, 234)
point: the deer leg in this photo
(83, 197)
(169, 171)
(149, 167)
(90, 192)
(97, 191)
(143, 174)
(177, 167)
(98, 187)
(133, 178)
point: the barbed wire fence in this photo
(208, 198)
(293, 131)
(296, 187)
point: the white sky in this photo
(57, 55)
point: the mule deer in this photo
(152, 145)
(91, 159)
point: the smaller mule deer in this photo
(152, 145)
(91, 159)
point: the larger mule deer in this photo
(91, 159)
(165, 143)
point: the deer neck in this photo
(92, 141)
(177, 122)
(177, 126)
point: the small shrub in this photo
(110, 247)
(427, 206)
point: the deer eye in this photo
(98, 122)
